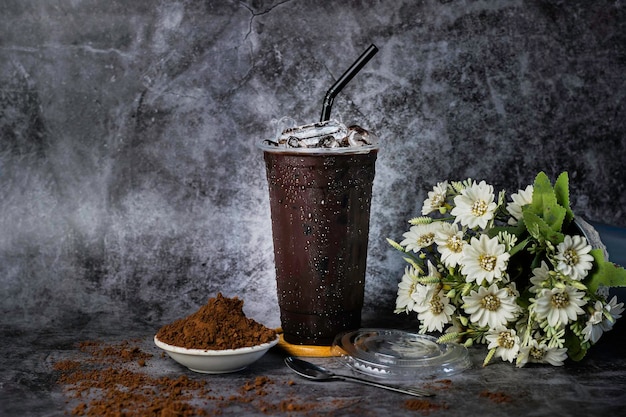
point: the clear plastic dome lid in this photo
(399, 355)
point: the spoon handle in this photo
(416, 392)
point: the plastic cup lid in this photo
(399, 355)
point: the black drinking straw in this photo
(345, 79)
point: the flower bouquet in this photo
(515, 274)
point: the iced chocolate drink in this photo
(320, 185)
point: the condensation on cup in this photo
(320, 179)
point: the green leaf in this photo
(539, 229)
(543, 193)
(517, 230)
(545, 203)
(575, 349)
(561, 191)
(521, 245)
(604, 273)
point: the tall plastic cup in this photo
(320, 208)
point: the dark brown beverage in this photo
(320, 206)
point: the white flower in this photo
(614, 310)
(450, 244)
(537, 352)
(436, 198)
(520, 199)
(540, 275)
(522, 322)
(507, 239)
(455, 327)
(511, 288)
(525, 292)
(475, 205)
(491, 306)
(484, 259)
(593, 330)
(559, 305)
(602, 319)
(432, 270)
(419, 236)
(505, 341)
(436, 314)
(574, 258)
(410, 291)
(603, 291)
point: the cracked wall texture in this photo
(130, 184)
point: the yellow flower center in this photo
(426, 239)
(571, 257)
(437, 200)
(455, 244)
(487, 262)
(506, 340)
(510, 292)
(479, 208)
(536, 353)
(490, 302)
(559, 300)
(436, 306)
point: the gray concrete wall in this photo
(130, 185)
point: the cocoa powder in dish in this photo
(220, 324)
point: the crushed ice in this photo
(327, 134)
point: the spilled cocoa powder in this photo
(220, 324)
(425, 406)
(118, 379)
(113, 380)
(497, 396)
(107, 383)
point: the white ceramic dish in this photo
(216, 361)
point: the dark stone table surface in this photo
(29, 383)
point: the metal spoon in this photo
(317, 373)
